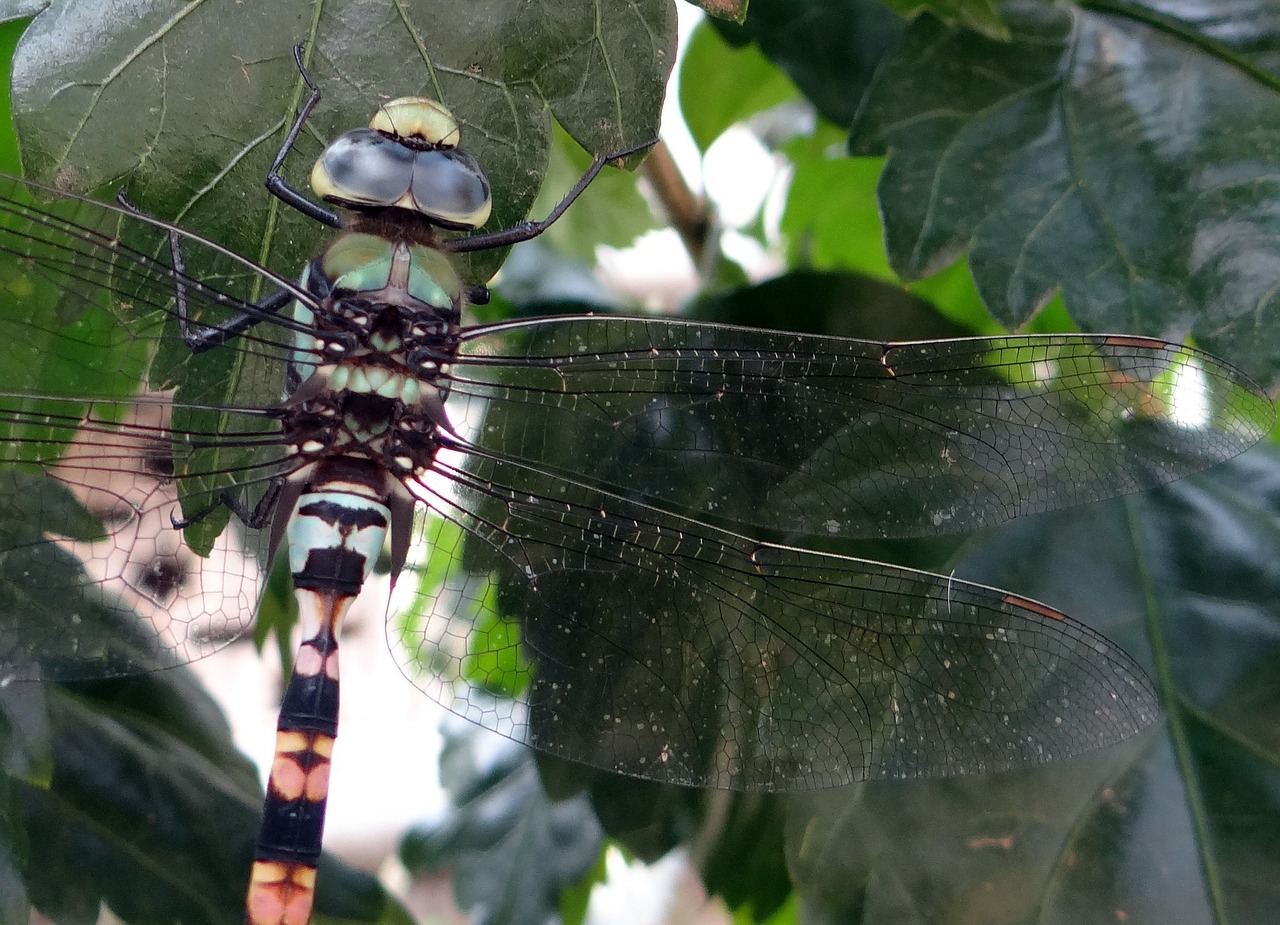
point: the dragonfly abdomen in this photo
(336, 529)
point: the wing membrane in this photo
(810, 435)
(661, 647)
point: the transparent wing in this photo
(825, 436)
(639, 639)
(656, 646)
(112, 429)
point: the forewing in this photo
(823, 436)
(112, 431)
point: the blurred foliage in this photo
(1100, 166)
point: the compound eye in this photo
(364, 168)
(450, 188)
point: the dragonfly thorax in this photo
(373, 384)
(380, 301)
(372, 356)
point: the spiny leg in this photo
(208, 336)
(278, 185)
(524, 231)
(256, 517)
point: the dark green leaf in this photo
(840, 304)
(1120, 153)
(512, 848)
(745, 866)
(978, 15)
(830, 48)
(26, 746)
(976, 850)
(15, 907)
(212, 91)
(1183, 577)
(126, 792)
(152, 811)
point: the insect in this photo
(598, 523)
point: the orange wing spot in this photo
(1026, 603)
(280, 894)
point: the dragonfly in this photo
(602, 526)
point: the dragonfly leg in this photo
(207, 336)
(278, 185)
(255, 518)
(523, 231)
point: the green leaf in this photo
(745, 866)
(832, 218)
(610, 212)
(842, 304)
(1123, 154)
(829, 48)
(979, 15)
(575, 899)
(191, 108)
(721, 86)
(15, 906)
(512, 848)
(27, 753)
(1160, 828)
(126, 790)
(832, 221)
(151, 810)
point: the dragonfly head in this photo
(408, 158)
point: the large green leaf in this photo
(150, 810)
(128, 793)
(189, 105)
(513, 848)
(830, 48)
(1123, 153)
(979, 15)
(1120, 153)
(1177, 826)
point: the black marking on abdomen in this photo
(310, 702)
(331, 569)
(292, 831)
(342, 515)
(289, 841)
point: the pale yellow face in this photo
(417, 117)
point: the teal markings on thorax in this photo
(366, 264)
